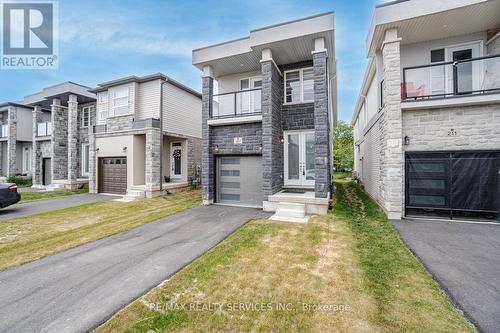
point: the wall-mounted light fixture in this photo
(260, 147)
(124, 149)
(281, 140)
(216, 149)
(97, 150)
(407, 141)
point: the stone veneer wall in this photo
(119, 123)
(223, 136)
(194, 157)
(207, 158)
(272, 148)
(73, 157)
(474, 128)
(297, 117)
(59, 143)
(11, 142)
(36, 157)
(152, 165)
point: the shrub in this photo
(19, 181)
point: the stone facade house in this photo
(269, 107)
(427, 121)
(146, 137)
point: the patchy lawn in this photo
(29, 196)
(266, 276)
(28, 238)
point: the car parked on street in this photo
(8, 195)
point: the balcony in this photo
(244, 103)
(44, 129)
(4, 131)
(470, 77)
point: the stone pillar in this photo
(93, 167)
(322, 154)
(59, 141)
(272, 148)
(72, 140)
(207, 157)
(391, 158)
(152, 166)
(36, 152)
(11, 141)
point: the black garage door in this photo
(113, 175)
(453, 184)
(239, 180)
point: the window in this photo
(299, 86)
(102, 97)
(120, 101)
(27, 160)
(86, 116)
(85, 159)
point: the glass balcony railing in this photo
(454, 78)
(4, 131)
(44, 129)
(237, 104)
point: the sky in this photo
(103, 40)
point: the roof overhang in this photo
(423, 20)
(289, 42)
(61, 91)
(367, 80)
(19, 105)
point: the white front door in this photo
(176, 160)
(299, 158)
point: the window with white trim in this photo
(119, 103)
(85, 116)
(103, 105)
(299, 86)
(85, 159)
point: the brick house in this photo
(269, 107)
(427, 121)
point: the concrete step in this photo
(134, 195)
(290, 212)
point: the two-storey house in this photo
(147, 136)
(427, 122)
(269, 107)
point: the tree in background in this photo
(343, 151)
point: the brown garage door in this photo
(113, 175)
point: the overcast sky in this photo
(105, 40)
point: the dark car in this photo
(8, 195)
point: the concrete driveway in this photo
(77, 290)
(465, 260)
(42, 206)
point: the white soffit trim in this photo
(367, 80)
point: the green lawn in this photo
(265, 276)
(28, 238)
(42, 195)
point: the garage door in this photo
(113, 175)
(453, 184)
(239, 180)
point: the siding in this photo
(182, 112)
(370, 169)
(24, 124)
(148, 100)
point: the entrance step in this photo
(290, 212)
(134, 195)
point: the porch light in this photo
(260, 147)
(407, 141)
(281, 140)
(216, 149)
(124, 149)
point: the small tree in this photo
(343, 147)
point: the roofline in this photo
(369, 73)
(390, 3)
(264, 28)
(15, 104)
(140, 79)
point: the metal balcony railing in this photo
(44, 129)
(237, 104)
(453, 78)
(4, 131)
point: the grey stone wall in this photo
(297, 117)
(92, 165)
(119, 123)
(207, 158)
(251, 134)
(11, 142)
(194, 157)
(272, 149)
(457, 128)
(36, 157)
(59, 142)
(152, 165)
(72, 138)
(322, 157)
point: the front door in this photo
(299, 158)
(47, 171)
(176, 160)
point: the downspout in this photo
(161, 134)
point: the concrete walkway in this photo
(77, 290)
(42, 206)
(465, 259)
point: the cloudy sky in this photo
(102, 40)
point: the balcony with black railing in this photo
(475, 76)
(236, 104)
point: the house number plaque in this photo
(238, 141)
(452, 132)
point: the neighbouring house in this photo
(15, 139)
(61, 117)
(146, 138)
(427, 122)
(269, 107)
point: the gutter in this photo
(164, 80)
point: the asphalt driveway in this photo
(77, 290)
(465, 260)
(42, 206)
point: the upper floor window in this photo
(299, 85)
(120, 99)
(103, 105)
(86, 116)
